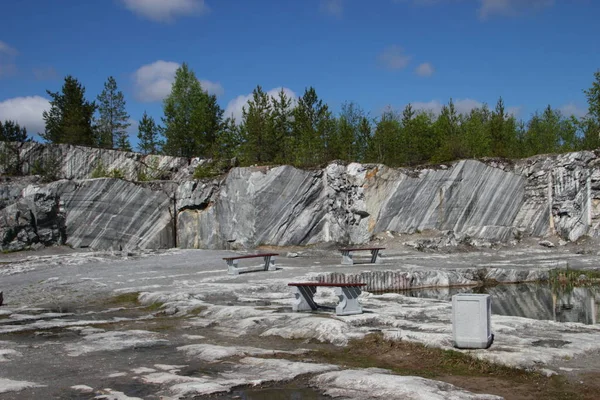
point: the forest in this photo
(304, 132)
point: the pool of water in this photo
(283, 392)
(537, 301)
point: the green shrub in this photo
(48, 169)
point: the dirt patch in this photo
(405, 358)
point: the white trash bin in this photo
(471, 321)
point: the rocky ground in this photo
(173, 324)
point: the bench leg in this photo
(232, 268)
(347, 258)
(269, 264)
(303, 300)
(348, 304)
(374, 258)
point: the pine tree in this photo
(312, 128)
(476, 132)
(192, 117)
(282, 127)
(113, 120)
(591, 122)
(69, 119)
(228, 140)
(257, 128)
(10, 153)
(11, 131)
(148, 131)
(385, 143)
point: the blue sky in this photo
(376, 53)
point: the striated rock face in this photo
(98, 213)
(475, 201)
(79, 162)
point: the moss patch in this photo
(131, 298)
(460, 369)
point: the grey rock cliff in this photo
(486, 201)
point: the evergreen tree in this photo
(363, 141)
(349, 144)
(192, 117)
(503, 132)
(591, 122)
(313, 127)
(69, 119)
(10, 153)
(229, 140)
(407, 153)
(148, 132)
(257, 128)
(385, 144)
(11, 131)
(113, 120)
(282, 115)
(476, 132)
(543, 133)
(447, 128)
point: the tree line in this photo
(305, 132)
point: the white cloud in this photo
(234, 107)
(509, 8)
(6, 49)
(7, 60)
(462, 106)
(27, 111)
(152, 82)
(394, 58)
(514, 110)
(488, 8)
(425, 69)
(574, 110)
(166, 10)
(332, 7)
(45, 73)
(212, 87)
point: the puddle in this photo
(273, 393)
(536, 301)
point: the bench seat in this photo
(347, 254)
(232, 262)
(347, 292)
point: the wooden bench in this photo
(347, 254)
(347, 292)
(232, 262)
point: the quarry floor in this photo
(172, 324)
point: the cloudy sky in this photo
(376, 53)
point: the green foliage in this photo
(564, 280)
(11, 131)
(229, 139)
(148, 132)
(69, 119)
(150, 171)
(12, 137)
(258, 139)
(304, 132)
(48, 168)
(99, 171)
(113, 120)
(116, 173)
(212, 169)
(313, 128)
(192, 117)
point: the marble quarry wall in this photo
(158, 204)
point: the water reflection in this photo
(537, 301)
